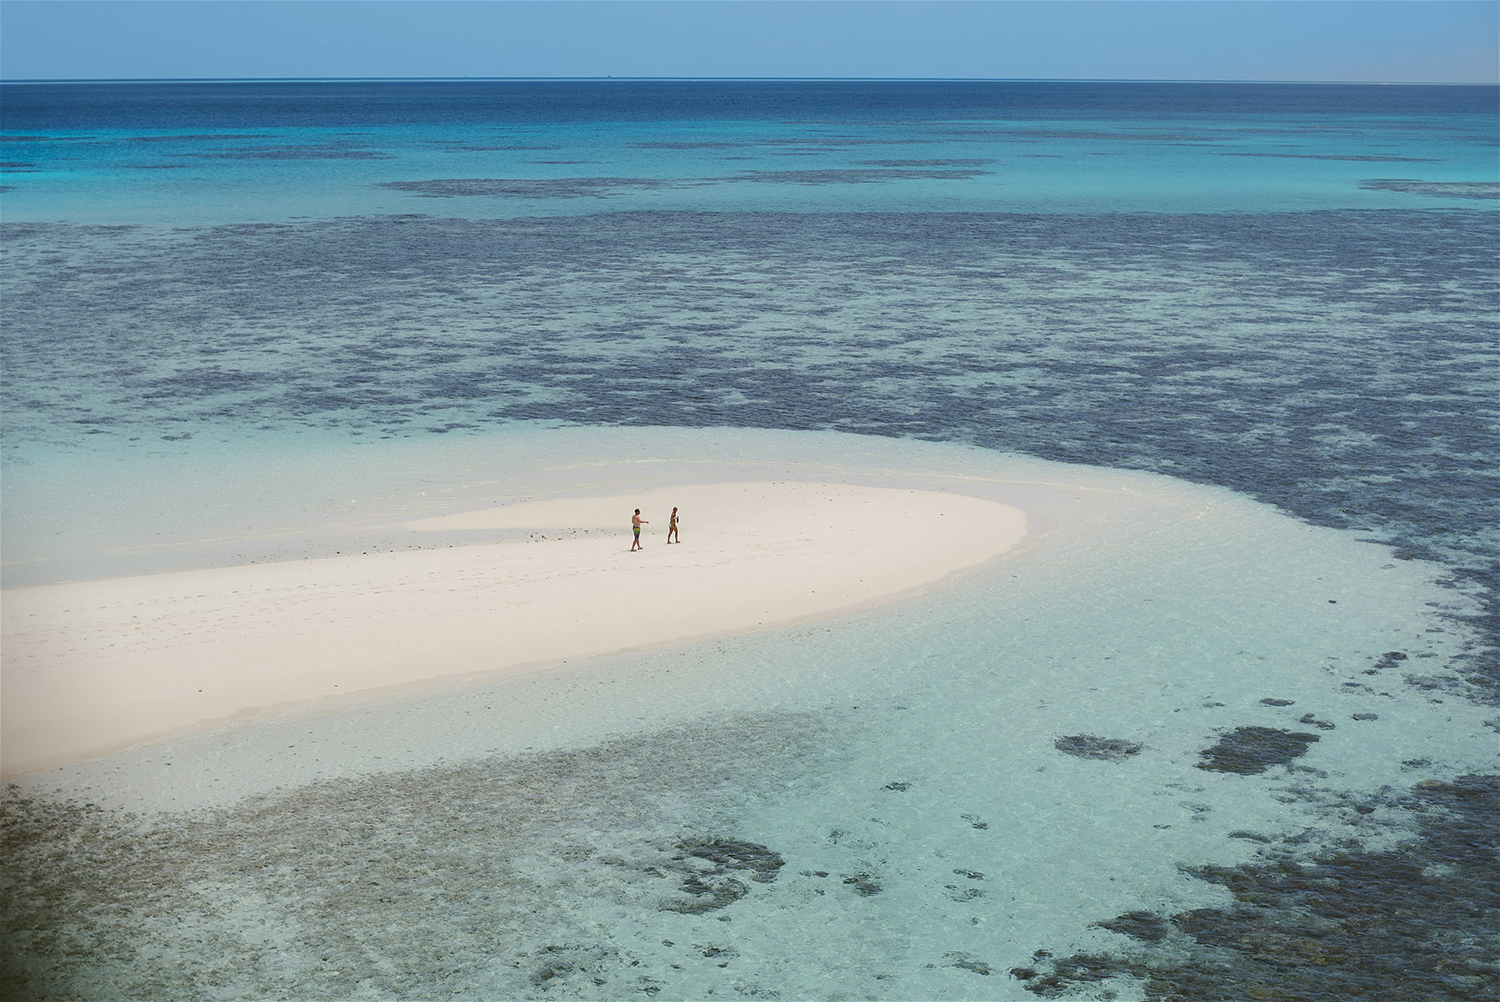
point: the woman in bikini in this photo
(635, 523)
(672, 529)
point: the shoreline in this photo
(98, 667)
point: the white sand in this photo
(94, 667)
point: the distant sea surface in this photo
(206, 153)
(1289, 291)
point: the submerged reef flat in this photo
(1419, 921)
(481, 875)
(1100, 340)
(908, 801)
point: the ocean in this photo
(1253, 762)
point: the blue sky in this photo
(1353, 40)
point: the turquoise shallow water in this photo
(901, 804)
(198, 154)
(229, 316)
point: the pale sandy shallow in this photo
(91, 668)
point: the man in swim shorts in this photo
(635, 523)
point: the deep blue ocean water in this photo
(1287, 290)
(190, 153)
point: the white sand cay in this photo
(94, 667)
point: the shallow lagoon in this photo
(903, 803)
(1333, 358)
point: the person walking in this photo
(672, 529)
(635, 523)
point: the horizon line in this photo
(706, 79)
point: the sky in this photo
(1413, 41)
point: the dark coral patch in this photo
(530, 187)
(857, 175)
(1089, 746)
(1145, 926)
(863, 884)
(731, 854)
(332, 151)
(1247, 750)
(1383, 926)
(718, 885)
(968, 962)
(1443, 189)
